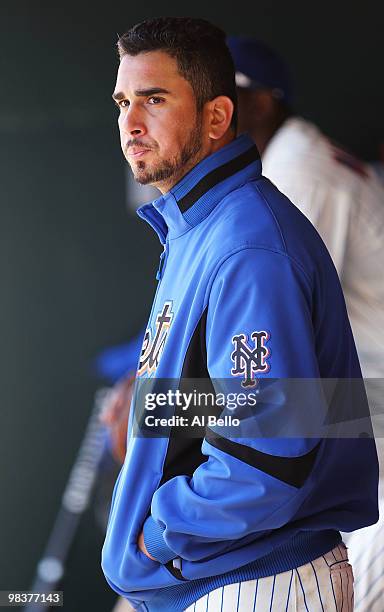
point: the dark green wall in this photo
(77, 271)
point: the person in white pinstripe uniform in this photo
(345, 201)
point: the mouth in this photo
(136, 152)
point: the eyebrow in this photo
(141, 92)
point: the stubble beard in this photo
(172, 170)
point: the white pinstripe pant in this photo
(323, 585)
(366, 551)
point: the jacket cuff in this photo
(154, 541)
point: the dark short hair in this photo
(199, 48)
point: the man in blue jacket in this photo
(244, 514)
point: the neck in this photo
(263, 132)
(212, 147)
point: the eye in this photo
(155, 100)
(121, 104)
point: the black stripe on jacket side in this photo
(216, 176)
(184, 453)
(291, 470)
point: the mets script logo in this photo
(153, 348)
(249, 360)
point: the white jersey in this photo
(345, 202)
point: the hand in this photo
(115, 415)
(142, 547)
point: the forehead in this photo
(147, 70)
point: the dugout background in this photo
(77, 271)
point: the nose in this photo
(131, 121)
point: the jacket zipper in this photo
(159, 275)
(174, 566)
(162, 262)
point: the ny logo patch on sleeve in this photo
(250, 360)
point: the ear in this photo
(219, 111)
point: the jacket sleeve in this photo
(259, 310)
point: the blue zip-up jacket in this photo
(247, 291)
